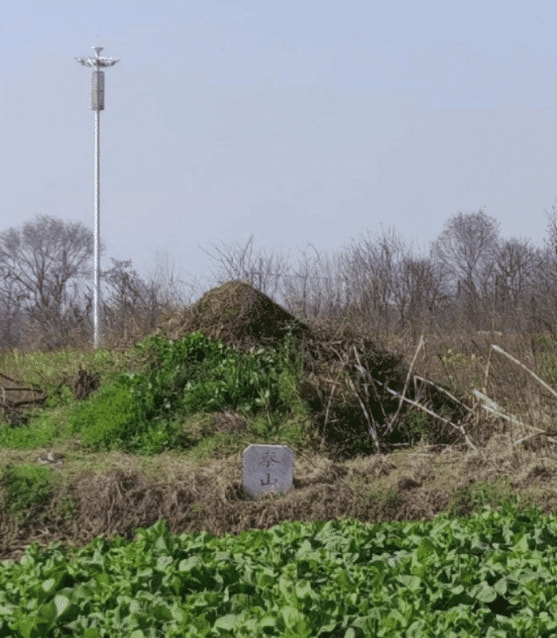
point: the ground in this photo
(114, 493)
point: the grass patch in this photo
(217, 446)
(45, 428)
(470, 498)
(27, 490)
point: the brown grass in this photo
(116, 493)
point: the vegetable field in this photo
(492, 574)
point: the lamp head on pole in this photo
(97, 76)
(97, 61)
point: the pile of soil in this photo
(238, 315)
(349, 377)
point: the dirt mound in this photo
(237, 314)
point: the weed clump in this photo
(470, 498)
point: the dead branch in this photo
(15, 396)
(371, 427)
(444, 391)
(489, 405)
(444, 420)
(531, 436)
(525, 368)
(393, 419)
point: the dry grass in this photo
(115, 493)
(237, 314)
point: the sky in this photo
(305, 124)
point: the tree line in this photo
(469, 278)
(46, 292)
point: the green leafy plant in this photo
(44, 426)
(142, 409)
(491, 574)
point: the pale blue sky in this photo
(307, 122)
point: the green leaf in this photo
(62, 604)
(287, 590)
(268, 620)
(49, 584)
(290, 615)
(485, 593)
(304, 590)
(425, 549)
(523, 544)
(227, 622)
(501, 586)
(412, 582)
(187, 564)
(161, 612)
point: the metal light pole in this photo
(97, 105)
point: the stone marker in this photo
(267, 467)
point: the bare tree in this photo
(314, 288)
(551, 239)
(418, 294)
(543, 290)
(133, 306)
(173, 291)
(466, 250)
(10, 313)
(370, 269)
(517, 267)
(42, 265)
(262, 269)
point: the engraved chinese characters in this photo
(267, 467)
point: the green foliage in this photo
(218, 445)
(143, 409)
(43, 428)
(26, 490)
(415, 427)
(491, 574)
(472, 497)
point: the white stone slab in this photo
(267, 467)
